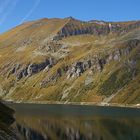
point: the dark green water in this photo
(70, 122)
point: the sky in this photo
(15, 12)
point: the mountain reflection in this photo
(78, 128)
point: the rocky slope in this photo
(68, 60)
(6, 119)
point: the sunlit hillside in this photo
(69, 60)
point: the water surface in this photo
(73, 122)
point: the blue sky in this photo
(14, 12)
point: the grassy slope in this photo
(114, 77)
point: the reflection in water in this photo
(79, 129)
(50, 126)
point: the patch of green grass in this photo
(116, 81)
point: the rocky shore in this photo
(6, 120)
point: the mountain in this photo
(68, 60)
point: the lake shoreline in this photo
(102, 104)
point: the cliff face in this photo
(6, 119)
(75, 27)
(69, 60)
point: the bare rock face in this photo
(75, 27)
(97, 63)
(23, 71)
(34, 68)
(15, 68)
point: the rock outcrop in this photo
(22, 71)
(97, 63)
(76, 27)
